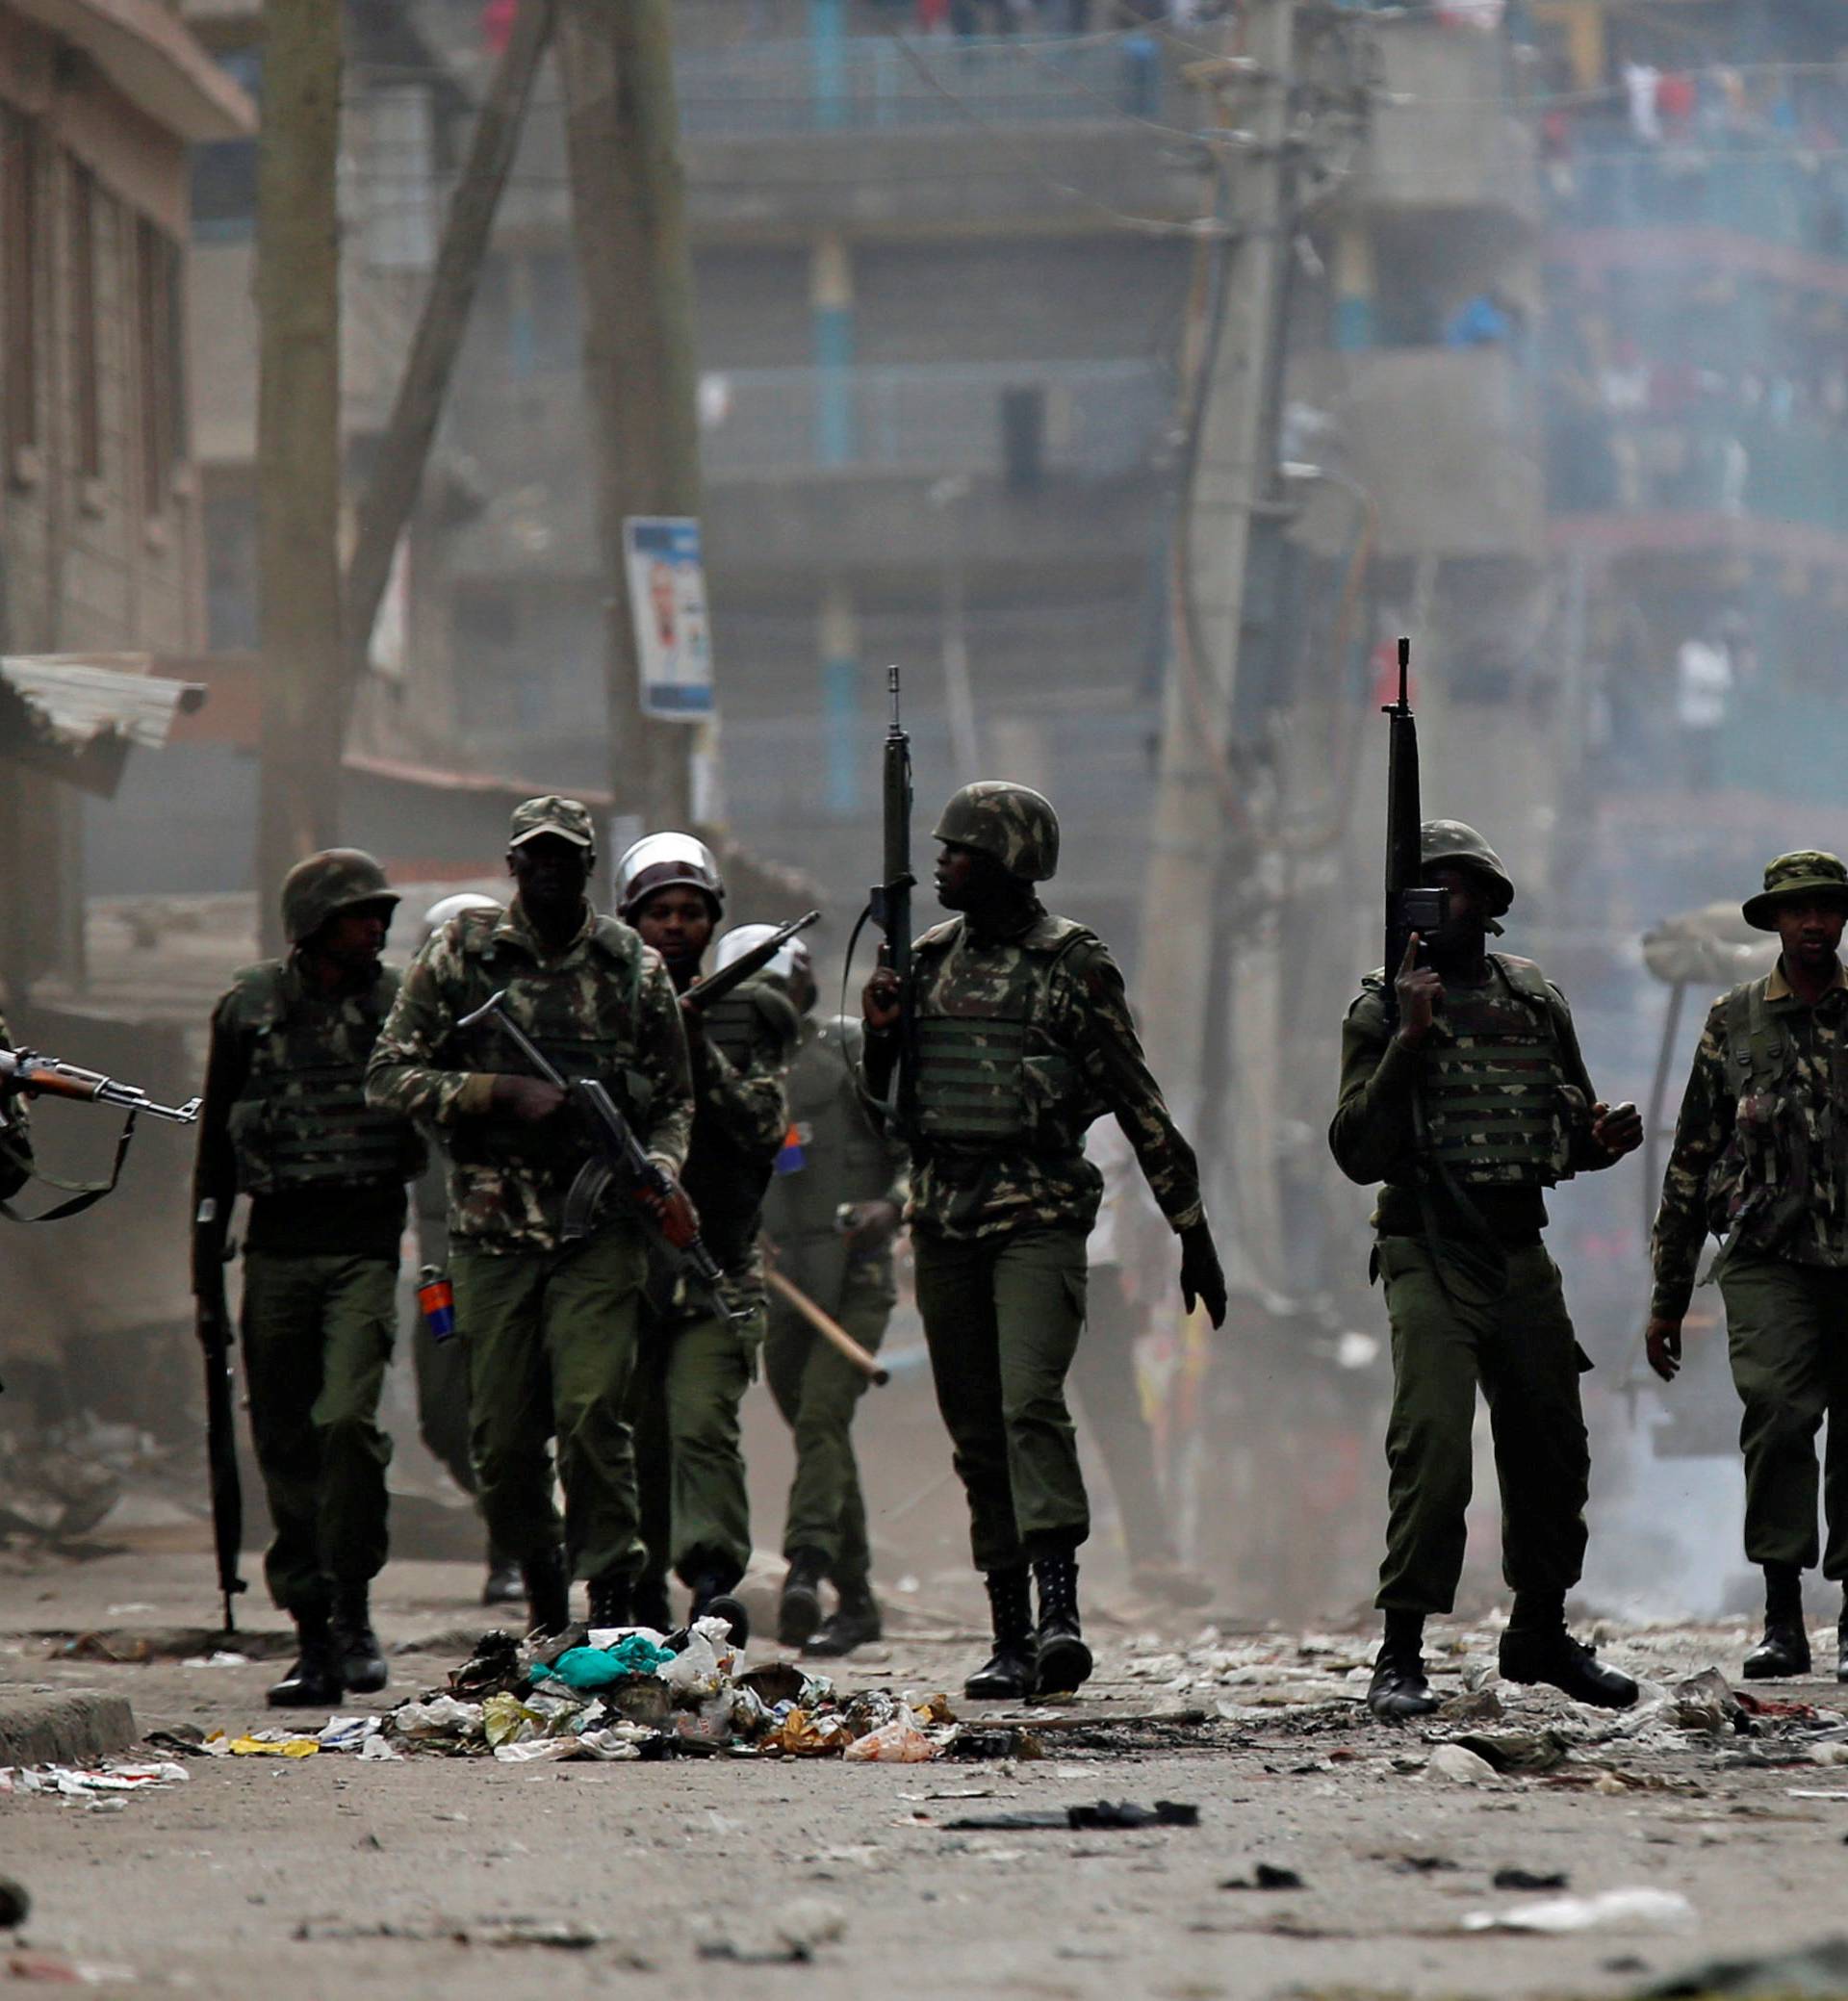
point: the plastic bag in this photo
(506, 1720)
(589, 1669)
(442, 1716)
(899, 1742)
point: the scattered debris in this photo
(1817, 1972)
(1104, 1814)
(793, 1935)
(1265, 1875)
(84, 1784)
(1460, 1765)
(1531, 1880)
(1538, 1751)
(16, 1903)
(55, 1968)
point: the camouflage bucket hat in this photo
(1804, 875)
(1457, 844)
(324, 885)
(1012, 823)
(568, 818)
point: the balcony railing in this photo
(1749, 470)
(869, 82)
(1091, 420)
(1795, 199)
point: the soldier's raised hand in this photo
(1420, 993)
(879, 1001)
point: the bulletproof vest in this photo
(836, 1154)
(1494, 1090)
(301, 1119)
(583, 1022)
(1763, 1177)
(989, 1075)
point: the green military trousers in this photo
(551, 1348)
(817, 1390)
(1787, 1330)
(1002, 1316)
(690, 1379)
(317, 1338)
(1509, 1334)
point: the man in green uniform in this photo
(550, 1315)
(1021, 1039)
(829, 1216)
(286, 1122)
(1468, 1104)
(1761, 1159)
(698, 1355)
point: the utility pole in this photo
(298, 443)
(1232, 477)
(390, 496)
(629, 216)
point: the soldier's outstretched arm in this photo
(1702, 1131)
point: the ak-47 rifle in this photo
(702, 993)
(618, 1158)
(220, 1422)
(890, 901)
(27, 1073)
(1410, 907)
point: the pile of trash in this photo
(633, 1693)
(98, 1790)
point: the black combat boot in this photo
(1536, 1647)
(611, 1600)
(712, 1599)
(649, 1604)
(1065, 1660)
(548, 1585)
(357, 1659)
(799, 1609)
(501, 1585)
(1784, 1649)
(1011, 1668)
(855, 1623)
(312, 1682)
(1842, 1639)
(1399, 1690)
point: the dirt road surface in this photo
(328, 1876)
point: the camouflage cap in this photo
(1457, 844)
(1806, 875)
(1012, 823)
(323, 884)
(568, 818)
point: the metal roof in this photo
(77, 715)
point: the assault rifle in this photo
(1410, 907)
(221, 1423)
(620, 1159)
(702, 993)
(891, 900)
(28, 1073)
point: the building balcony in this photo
(1796, 200)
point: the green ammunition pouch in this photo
(1496, 1109)
(301, 1119)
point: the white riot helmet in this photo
(440, 912)
(661, 861)
(790, 962)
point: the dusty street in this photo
(429, 1875)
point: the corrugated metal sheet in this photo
(83, 696)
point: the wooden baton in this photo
(827, 1326)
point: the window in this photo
(162, 366)
(84, 382)
(19, 275)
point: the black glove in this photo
(1202, 1282)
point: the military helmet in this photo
(661, 861)
(1453, 844)
(789, 961)
(445, 907)
(324, 885)
(1012, 823)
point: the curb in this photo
(74, 1728)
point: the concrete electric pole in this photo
(298, 443)
(629, 220)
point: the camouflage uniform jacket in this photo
(1373, 1135)
(15, 1142)
(1085, 1060)
(1760, 1159)
(604, 1006)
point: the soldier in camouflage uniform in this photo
(833, 1207)
(551, 1320)
(286, 1122)
(1761, 1159)
(1469, 1108)
(697, 1361)
(15, 1140)
(1021, 1039)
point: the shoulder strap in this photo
(1526, 980)
(1756, 1047)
